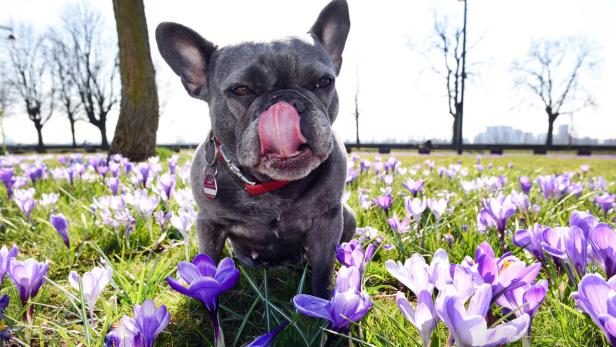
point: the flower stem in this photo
(150, 228)
(219, 339)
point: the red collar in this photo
(251, 187)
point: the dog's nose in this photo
(289, 96)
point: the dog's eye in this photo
(323, 82)
(242, 91)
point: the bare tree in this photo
(59, 57)
(553, 72)
(447, 44)
(94, 65)
(135, 134)
(28, 76)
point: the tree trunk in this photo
(103, 129)
(454, 137)
(357, 129)
(73, 131)
(551, 119)
(39, 132)
(135, 134)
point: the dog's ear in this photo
(332, 28)
(187, 53)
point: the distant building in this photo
(502, 134)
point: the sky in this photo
(400, 99)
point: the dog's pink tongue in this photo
(279, 130)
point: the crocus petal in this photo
(73, 279)
(266, 339)
(535, 295)
(312, 306)
(207, 290)
(507, 332)
(521, 238)
(405, 307)
(228, 279)
(591, 296)
(179, 287)
(480, 302)
(205, 264)
(188, 271)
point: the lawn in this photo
(146, 228)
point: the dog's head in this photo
(271, 103)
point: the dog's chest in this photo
(270, 239)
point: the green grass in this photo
(262, 299)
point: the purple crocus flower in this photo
(352, 254)
(151, 320)
(184, 221)
(48, 200)
(438, 207)
(399, 226)
(347, 304)
(504, 273)
(4, 302)
(520, 200)
(576, 246)
(554, 241)
(144, 204)
(125, 334)
(60, 223)
(415, 207)
(351, 175)
(553, 187)
(384, 202)
(364, 165)
(413, 186)
(584, 221)
(25, 200)
(95, 161)
(144, 170)
(114, 184)
(166, 183)
(162, 218)
(531, 239)
(266, 339)
(525, 299)
(603, 241)
(102, 170)
(28, 277)
(6, 256)
(35, 172)
(363, 199)
(525, 183)
(424, 317)
(606, 202)
(206, 283)
(420, 277)
(172, 162)
(92, 283)
(6, 176)
(115, 168)
(467, 324)
(597, 297)
(499, 210)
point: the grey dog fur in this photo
(306, 217)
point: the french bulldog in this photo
(270, 175)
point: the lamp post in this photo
(459, 145)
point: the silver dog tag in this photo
(210, 188)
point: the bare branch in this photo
(553, 72)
